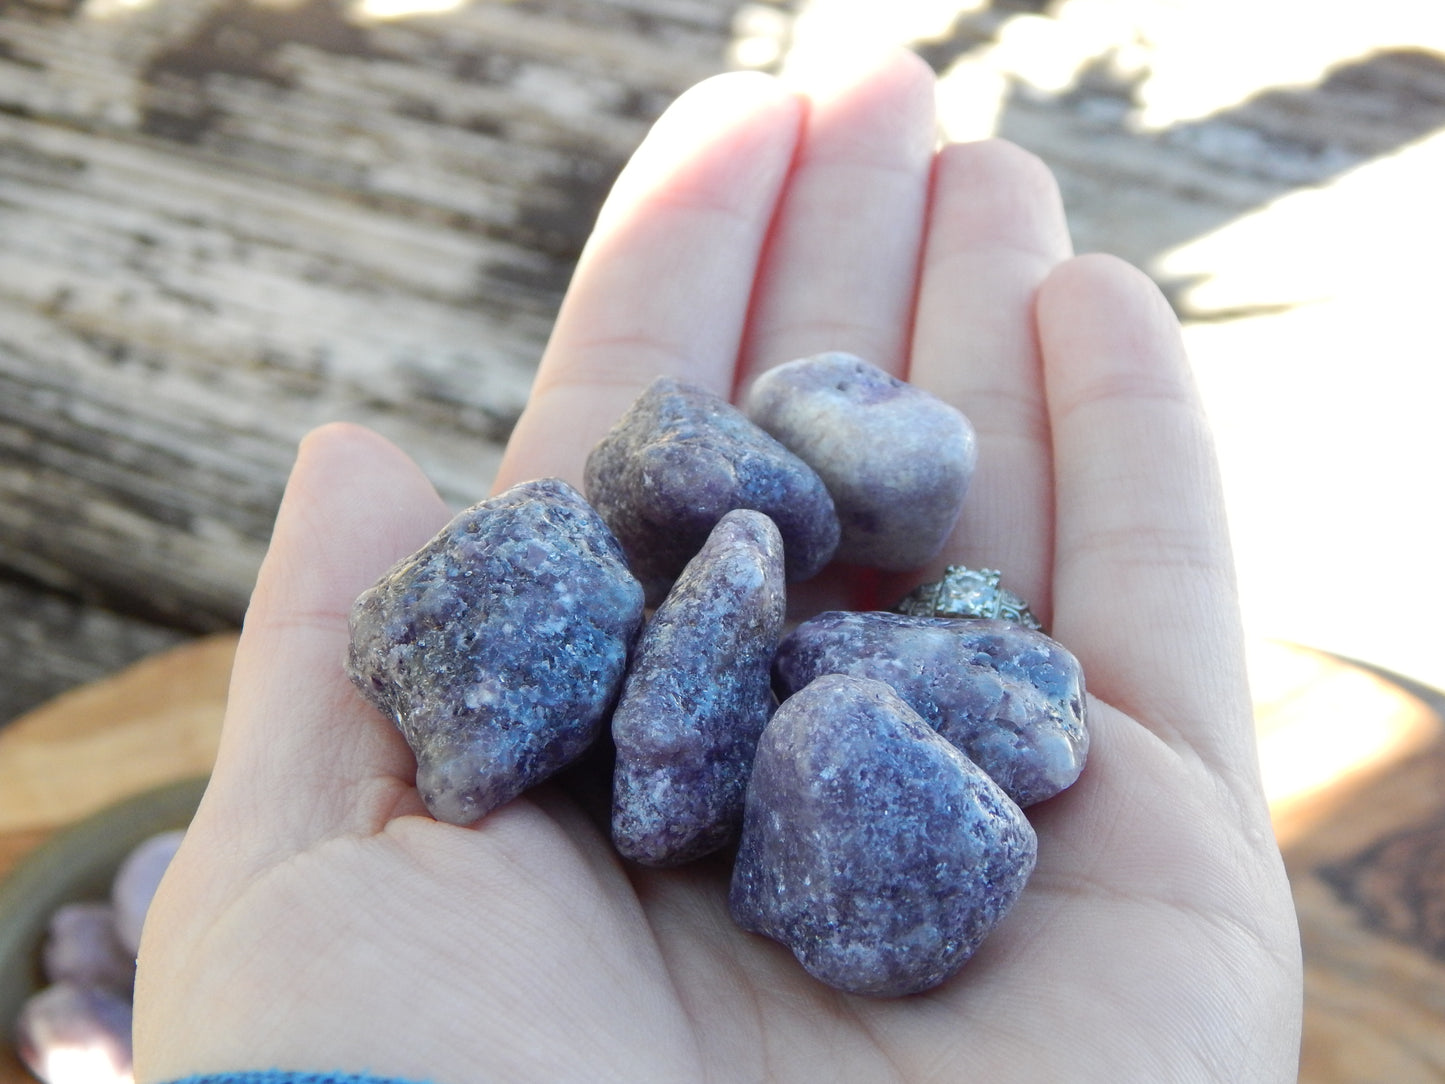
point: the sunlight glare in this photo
(110, 9)
(388, 10)
(83, 1063)
(1315, 343)
(1369, 230)
(1323, 721)
(846, 27)
(1188, 59)
(1211, 56)
(760, 34)
(1041, 54)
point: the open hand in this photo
(317, 919)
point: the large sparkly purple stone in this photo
(500, 646)
(896, 459)
(1009, 697)
(696, 697)
(678, 460)
(871, 847)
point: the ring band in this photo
(964, 592)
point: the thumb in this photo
(302, 756)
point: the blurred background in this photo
(223, 222)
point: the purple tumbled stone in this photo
(871, 847)
(136, 883)
(896, 459)
(696, 697)
(1009, 697)
(81, 946)
(500, 646)
(678, 460)
(68, 1032)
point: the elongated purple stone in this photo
(500, 646)
(896, 459)
(871, 847)
(697, 695)
(1009, 697)
(678, 460)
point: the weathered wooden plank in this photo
(223, 222)
(96, 643)
(227, 222)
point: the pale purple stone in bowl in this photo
(67, 1023)
(81, 946)
(499, 647)
(896, 459)
(1009, 697)
(678, 460)
(136, 883)
(697, 695)
(871, 847)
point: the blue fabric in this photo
(277, 1076)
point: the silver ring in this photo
(963, 592)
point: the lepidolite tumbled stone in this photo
(697, 695)
(678, 460)
(1010, 697)
(896, 459)
(871, 847)
(499, 647)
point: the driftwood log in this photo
(223, 222)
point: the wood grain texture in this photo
(223, 222)
(1366, 885)
(227, 222)
(1362, 831)
(154, 722)
(54, 641)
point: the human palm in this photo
(317, 919)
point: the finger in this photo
(1144, 581)
(663, 284)
(840, 267)
(995, 229)
(302, 756)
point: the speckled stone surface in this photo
(1009, 697)
(500, 646)
(678, 460)
(696, 697)
(873, 849)
(896, 459)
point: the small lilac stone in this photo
(1009, 697)
(82, 946)
(500, 646)
(872, 848)
(68, 1032)
(136, 883)
(678, 460)
(897, 460)
(696, 697)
